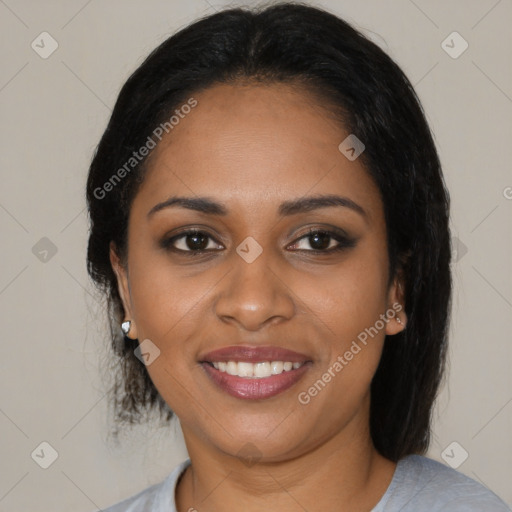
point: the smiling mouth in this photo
(254, 372)
(259, 370)
(261, 386)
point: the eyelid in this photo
(333, 230)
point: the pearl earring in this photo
(126, 326)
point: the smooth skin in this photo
(251, 148)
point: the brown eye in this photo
(190, 241)
(323, 242)
(320, 241)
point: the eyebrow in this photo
(287, 208)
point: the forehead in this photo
(256, 145)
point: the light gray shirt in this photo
(419, 484)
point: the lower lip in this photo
(255, 389)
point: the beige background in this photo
(53, 113)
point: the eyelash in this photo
(343, 242)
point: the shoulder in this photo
(422, 484)
(156, 498)
(144, 501)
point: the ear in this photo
(396, 306)
(123, 287)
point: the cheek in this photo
(166, 307)
(349, 304)
(350, 296)
(352, 347)
(166, 296)
(172, 306)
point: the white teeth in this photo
(232, 368)
(259, 370)
(245, 370)
(276, 367)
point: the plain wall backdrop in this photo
(55, 102)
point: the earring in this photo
(126, 326)
(399, 321)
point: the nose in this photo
(253, 295)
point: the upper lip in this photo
(251, 354)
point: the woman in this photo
(269, 223)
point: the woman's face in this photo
(257, 153)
